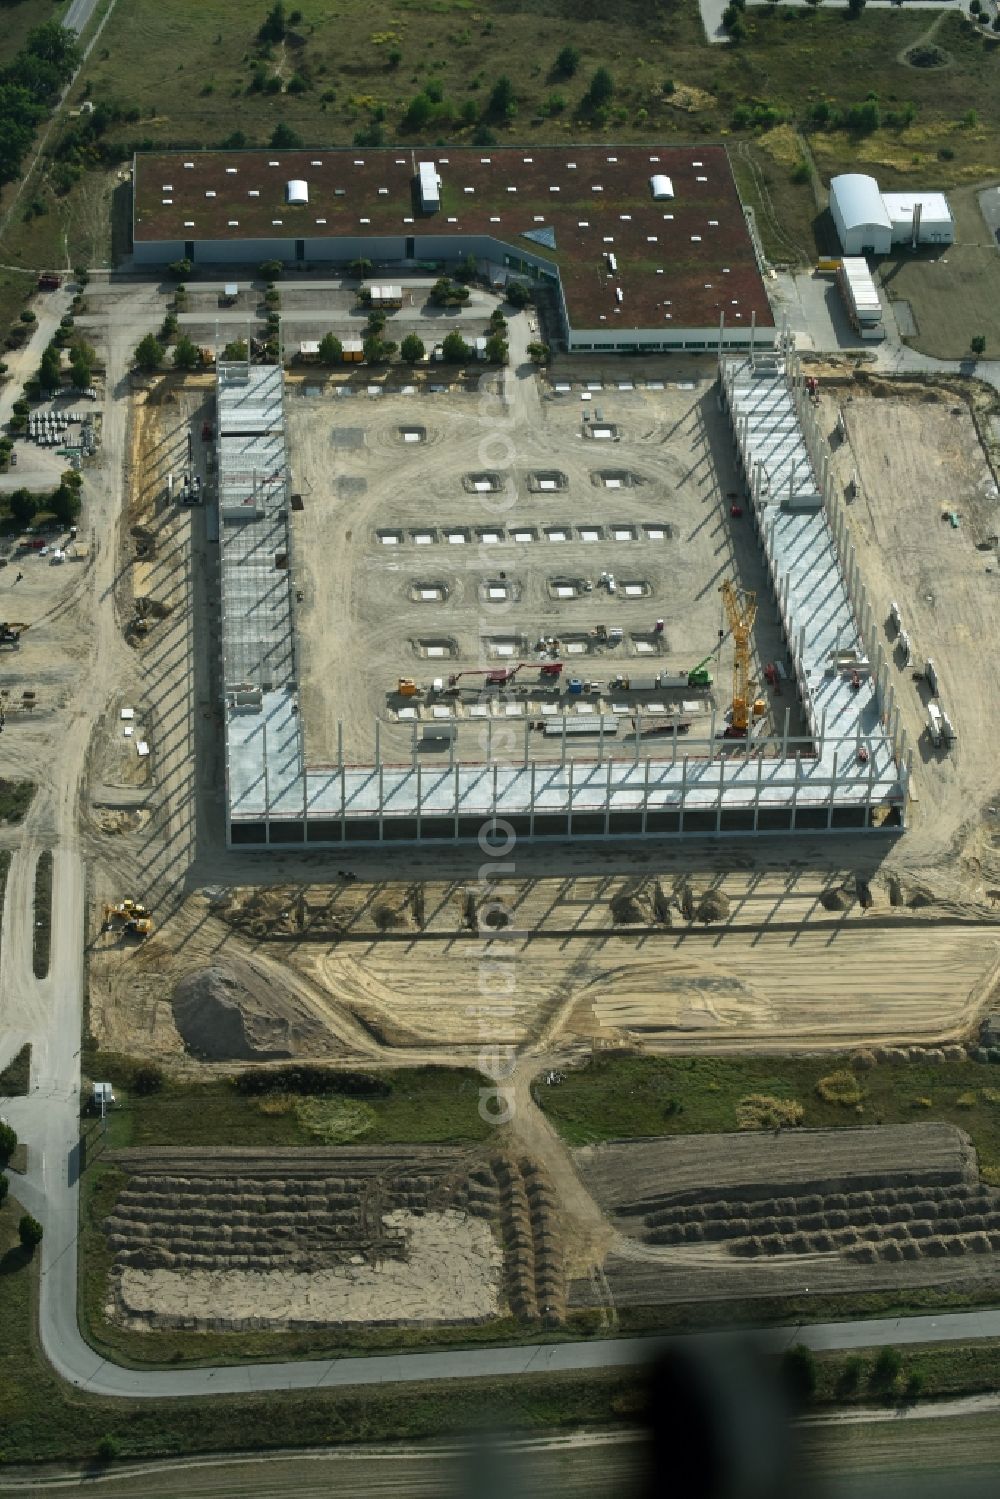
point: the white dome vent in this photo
(661, 187)
(297, 192)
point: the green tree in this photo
(539, 353)
(50, 369)
(54, 44)
(29, 1231)
(284, 138)
(496, 349)
(454, 348)
(887, 1367)
(567, 62)
(798, 1371)
(376, 321)
(108, 1449)
(235, 351)
(378, 350)
(8, 1135)
(4, 1188)
(149, 353)
(271, 268)
(272, 28)
(180, 268)
(503, 101)
(517, 294)
(466, 268)
(64, 503)
(855, 8)
(186, 354)
(331, 350)
(24, 508)
(602, 87)
(412, 349)
(28, 317)
(978, 345)
(81, 363)
(417, 114)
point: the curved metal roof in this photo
(858, 201)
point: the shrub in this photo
(180, 268)
(28, 317)
(29, 1231)
(235, 350)
(567, 62)
(761, 1111)
(850, 1377)
(840, 1087)
(147, 1080)
(8, 1142)
(284, 138)
(886, 1368)
(306, 1079)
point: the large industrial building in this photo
(848, 769)
(646, 248)
(869, 221)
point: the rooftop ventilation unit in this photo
(660, 186)
(297, 192)
(430, 187)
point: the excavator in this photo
(741, 613)
(11, 631)
(135, 918)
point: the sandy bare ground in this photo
(450, 1272)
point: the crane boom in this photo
(741, 613)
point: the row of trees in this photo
(63, 504)
(150, 354)
(29, 87)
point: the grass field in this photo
(15, 799)
(427, 1106)
(42, 931)
(954, 293)
(183, 75)
(614, 1097)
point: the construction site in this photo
(615, 632)
(747, 671)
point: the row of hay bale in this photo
(964, 1209)
(815, 1197)
(518, 1239)
(533, 1258)
(857, 1242)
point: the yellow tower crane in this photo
(741, 612)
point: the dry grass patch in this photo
(840, 1087)
(762, 1111)
(335, 1121)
